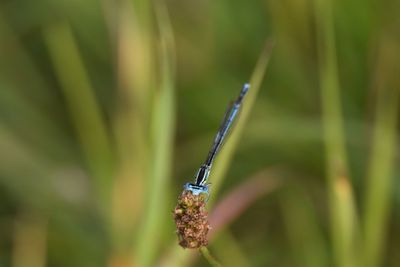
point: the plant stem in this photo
(380, 180)
(341, 200)
(210, 258)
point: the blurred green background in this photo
(108, 107)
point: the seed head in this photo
(191, 220)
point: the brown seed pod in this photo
(191, 220)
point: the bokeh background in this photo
(108, 107)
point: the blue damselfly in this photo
(200, 184)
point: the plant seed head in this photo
(191, 221)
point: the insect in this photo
(200, 184)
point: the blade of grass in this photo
(379, 180)
(163, 124)
(20, 97)
(225, 156)
(135, 78)
(83, 107)
(341, 203)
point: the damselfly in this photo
(200, 184)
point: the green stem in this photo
(210, 258)
(380, 180)
(83, 106)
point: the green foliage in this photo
(108, 107)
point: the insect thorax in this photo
(196, 189)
